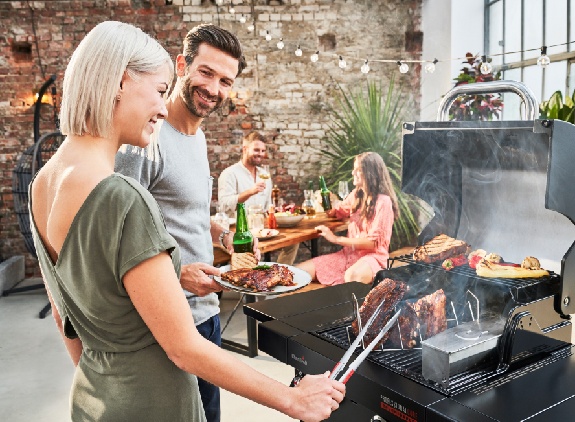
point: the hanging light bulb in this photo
(232, 10)
(342, 63)
(544, 59)
(485, 67)
(364, 68)
(314, 57)
(281, 44)
(242, 19)
(403, 67)
(298, 51)
(430, 66)
(268, 36)
(251, 27)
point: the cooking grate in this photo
(522, 290)
(409, 364)
(494, 294)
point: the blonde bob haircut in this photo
(94, 75)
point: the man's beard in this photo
(252, 161)
(188, 97)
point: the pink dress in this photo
(330, 269)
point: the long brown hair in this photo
(377, 181)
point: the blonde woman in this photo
(110, 266)
(372, 208)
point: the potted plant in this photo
(557, 108)
(475, 107)
(371, 120)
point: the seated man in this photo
(241, 182)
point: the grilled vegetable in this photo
(261, 267)
(453, 262)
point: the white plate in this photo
(300, 278)
(231, 219)
(271, 233)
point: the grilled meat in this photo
(405, 333)
(392, 292)
(440, 248)
(261, 280)
(426, 315)
(430, 311)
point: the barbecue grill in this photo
(506, 354)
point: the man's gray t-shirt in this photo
(174, 167)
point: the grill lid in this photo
(501, 186)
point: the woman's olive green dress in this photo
(123, 374)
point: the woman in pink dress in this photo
(372, 208)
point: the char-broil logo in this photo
(298, 359)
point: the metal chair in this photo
(28, 165)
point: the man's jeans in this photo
(210, 329)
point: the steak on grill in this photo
(439, 248)
(392, 292)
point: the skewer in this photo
(345, 358)
(355, 364)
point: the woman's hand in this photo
(318, 397)
(331, 213)
(326, 233)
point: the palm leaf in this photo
(370, 118)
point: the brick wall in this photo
(282, 95)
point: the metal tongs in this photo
(347, 355)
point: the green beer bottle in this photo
(243, 239)
(325, 195)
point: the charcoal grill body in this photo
(501, 186)
(542, 389)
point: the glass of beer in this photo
(265, 174)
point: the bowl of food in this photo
(286, 219)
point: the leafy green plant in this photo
(371, 120)
(475, 107)
(556, 108)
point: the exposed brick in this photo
(279, 91)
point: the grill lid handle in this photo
(527, 96)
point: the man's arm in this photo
(228, 195)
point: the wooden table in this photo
(304, 231)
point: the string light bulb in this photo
(485, 67)
(342, 64)
(430, 66)
(314, 57)
(242, 19)
(251, 27)
(403, 67)
(280, 44)
(544, 59)
(298, 51)
(268, 36)
(364, 68)
(232, 10)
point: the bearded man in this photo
(176, 171)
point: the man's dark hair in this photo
(216, 37)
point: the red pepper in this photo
(456, 261)
(475, 259)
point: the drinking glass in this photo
(256, 218)
(265, 174)
(343, 189)
(222, 219)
